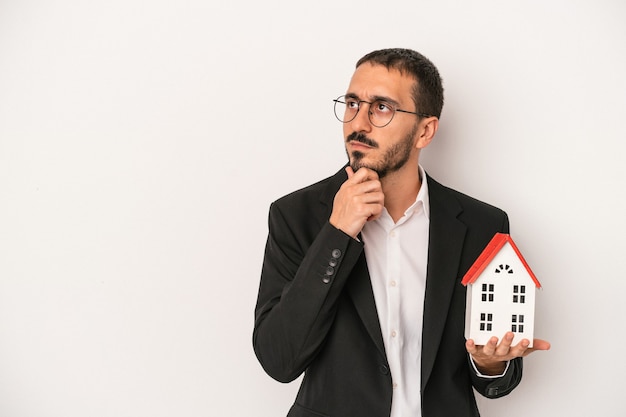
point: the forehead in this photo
(371, 80)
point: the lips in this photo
(359, 140)
(357, 146)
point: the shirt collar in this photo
(422, 195)
(421, 201)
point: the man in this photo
(361, 280)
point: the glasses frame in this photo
(341, 99)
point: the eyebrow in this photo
(375, 98)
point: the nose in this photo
(362, 123)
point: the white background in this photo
(141, 144)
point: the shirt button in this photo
(392, 234)
(392, 283)
(393, 333)
(394, 385)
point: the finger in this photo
(366, 204)
(370, 190)
(504, 347)
(364, 174)
(520, 349)
(490, 347)
(349, 171)
(539, 344)
(470, 346)
(376, 211)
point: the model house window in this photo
(487, 294)
(517, 323)
(504, 268)
(519, 294)
(486, 322)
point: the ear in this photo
(426, 131)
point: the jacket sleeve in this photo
(303, 274)
(499, 387)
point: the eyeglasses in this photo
(380, 113)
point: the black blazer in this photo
(316, 313)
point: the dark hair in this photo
(428, 91)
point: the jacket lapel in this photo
(447, 234)
(360, 289)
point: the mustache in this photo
(360, 137)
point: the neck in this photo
(400, 189)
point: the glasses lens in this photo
(345, 111)
(381, 113)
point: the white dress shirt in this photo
(397, 255)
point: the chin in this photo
(357, 164)
(356, 160)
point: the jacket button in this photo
(326, 280)
(330, 270)
(336, 253)
(333, 262)
(383, 369)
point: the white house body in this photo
(500, 294)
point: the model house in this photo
(500, 293)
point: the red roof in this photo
(489, 253)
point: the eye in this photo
(352, 103)
(382, 107)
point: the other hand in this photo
(491, 358)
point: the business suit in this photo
(316, 312)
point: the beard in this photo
(393, 159)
